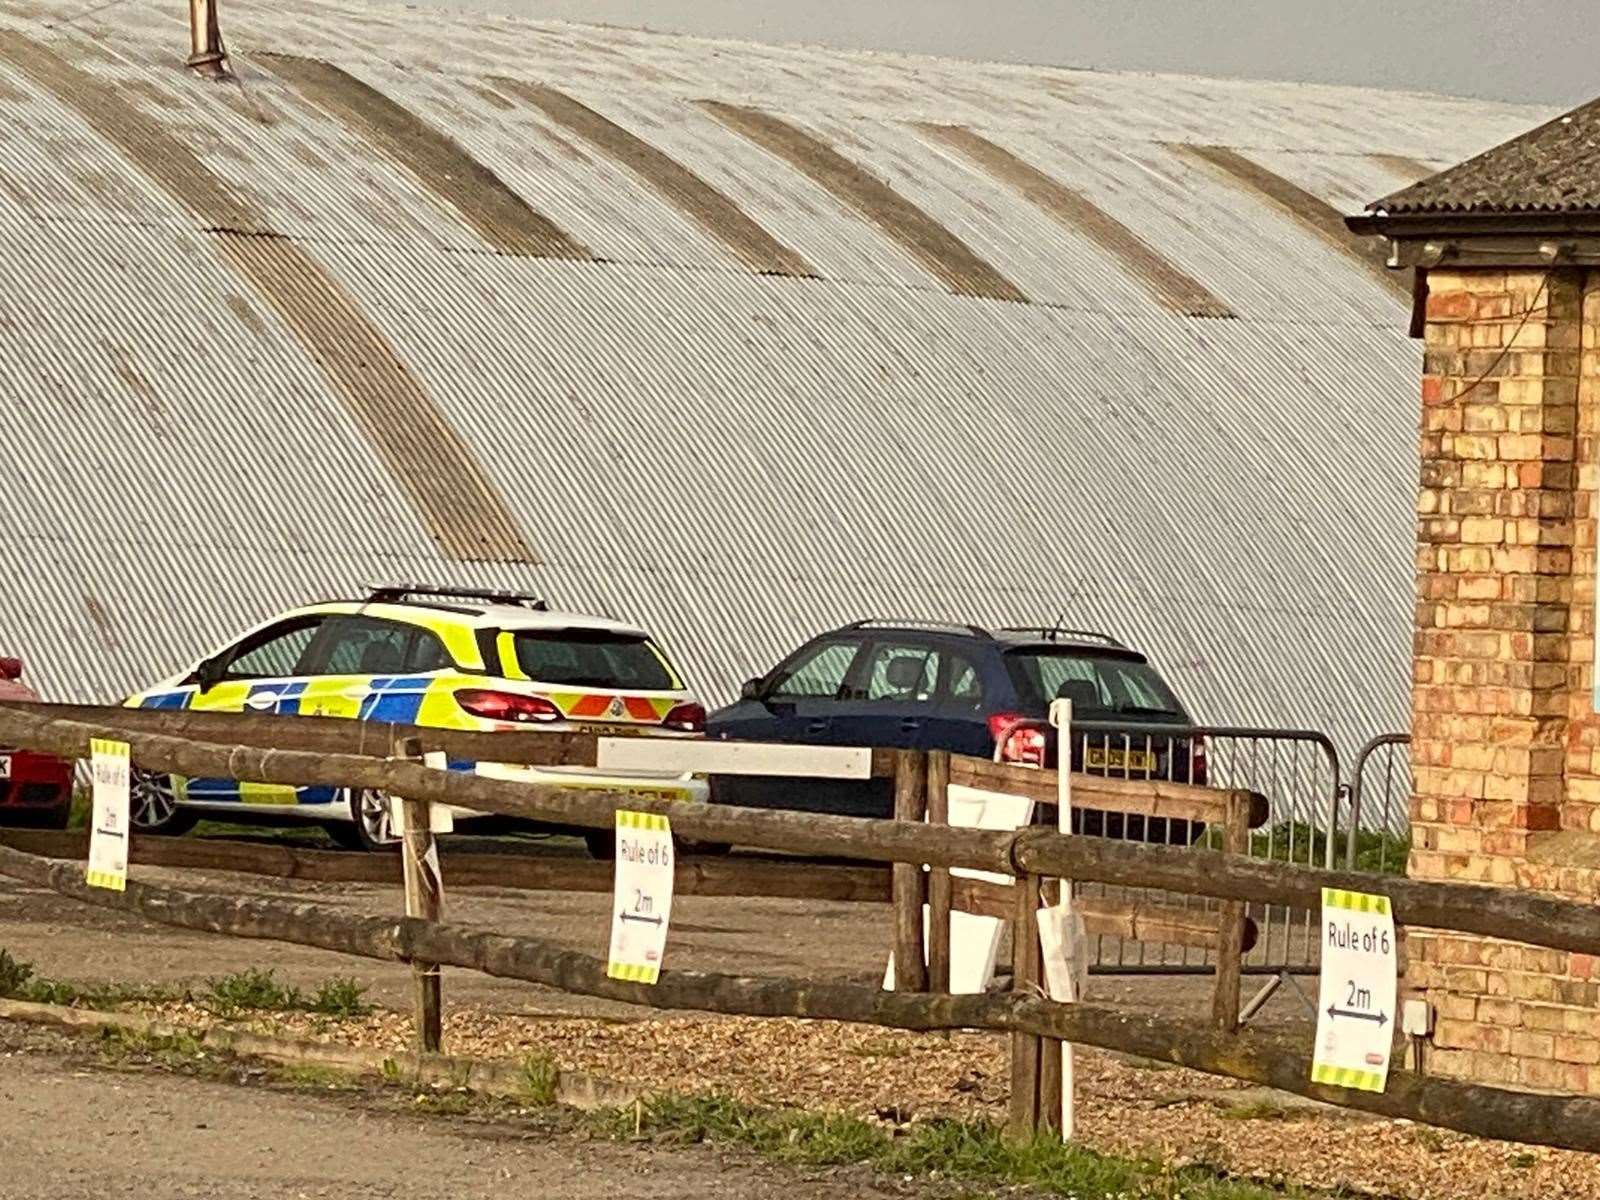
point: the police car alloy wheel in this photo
(152, 806)
(369, 828)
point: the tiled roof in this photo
(1552, 169)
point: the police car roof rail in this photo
(1054, 633)
(406, 591)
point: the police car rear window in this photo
(592, 658)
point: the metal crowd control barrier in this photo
(1297, 770)
(1380, 794)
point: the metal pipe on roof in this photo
(207, 57)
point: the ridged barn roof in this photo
(736, 341)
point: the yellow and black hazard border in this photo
(1365, 902)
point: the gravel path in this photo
(72, 1134)
(881, 1075)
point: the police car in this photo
(450, 658)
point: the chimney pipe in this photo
(205, 37)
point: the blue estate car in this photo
(972, 691)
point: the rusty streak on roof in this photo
(460, 506)
(1311, 211)
(713, 210)
(503, 218)
(1170, 284)
(944, 254)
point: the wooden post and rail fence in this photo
(305, 751)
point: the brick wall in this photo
(1506, 746)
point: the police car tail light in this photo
(507, 706)
(1018, 739)
(690, 718)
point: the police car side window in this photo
(426, 653)
(365, 646)
(274, 652)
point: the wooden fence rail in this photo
(1271, 1060)
(1031, 855)
(1497, 912)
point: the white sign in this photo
(108, 834)
(641, 902)
(974, 939)
(1356, 1004)
(701, 757)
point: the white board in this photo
(1356, 999)
(975, 939)
(108, 830)
(641, 901)
(694, 756)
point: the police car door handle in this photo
(261, 701)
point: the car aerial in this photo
(968, 690)
(452, 658)
(35, 789)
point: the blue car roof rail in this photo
(944, 626)
(1054, 633)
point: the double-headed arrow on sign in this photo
(1378, 1017)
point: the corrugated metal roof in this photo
(735, 459)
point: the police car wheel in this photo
(153, 807)
(368, 830)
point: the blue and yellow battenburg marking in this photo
(422, 699)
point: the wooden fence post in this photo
(939, 884)
(1027, 967)
(425, 901)
(1231, 923)
(910, 881)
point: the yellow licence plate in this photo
(1120, 760)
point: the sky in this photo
(1537, 51)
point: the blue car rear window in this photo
(1100, 687)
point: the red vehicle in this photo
(35, 789)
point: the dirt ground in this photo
(69, 1133)
(1125, 1107)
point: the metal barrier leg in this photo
(1257, 1002)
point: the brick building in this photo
(1506, 741)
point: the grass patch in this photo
(18, 981)
(82, 810)
(179, 1050)
(339, 997)
(965, 1153)
(1256, 1110)
(540, 1075)
(256, 990)
(881, 1047)
(247, 991)
(310, 1075)
(1377, 852)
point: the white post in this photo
(1061, 718)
